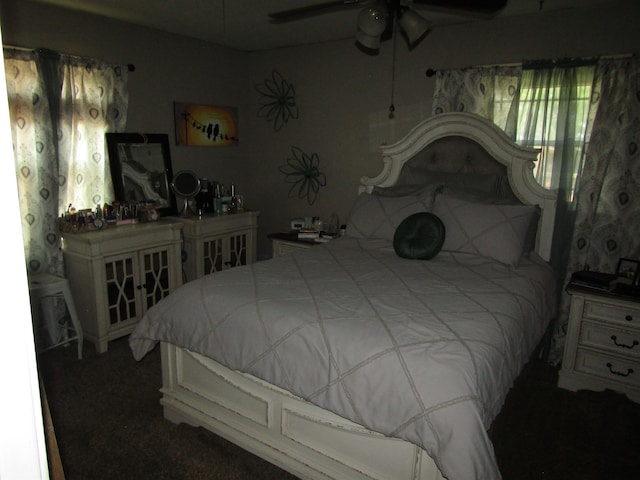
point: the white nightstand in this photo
(285, 243)
(602, 347)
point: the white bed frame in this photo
(301, 438)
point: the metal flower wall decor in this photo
(278, 100)
(303, 172)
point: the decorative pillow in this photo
(374, 216)
(419, 236)
(490, 230)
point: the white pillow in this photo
(376, 216)
(490, 230)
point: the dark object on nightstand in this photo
(595, 280)
(603, 284)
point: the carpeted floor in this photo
(109, 425)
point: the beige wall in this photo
(168, 68)
(340, 92)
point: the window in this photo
(60, 109)
(553, 116)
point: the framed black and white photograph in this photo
(628, 271)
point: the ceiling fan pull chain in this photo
(392, 107)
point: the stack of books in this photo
(308, 234)
(594, 280)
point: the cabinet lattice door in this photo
(145, 275)
(213, 243)
(238, 250)
(213, 255)
(121, 289)
(156, 276)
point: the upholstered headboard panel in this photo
(461, 164)
(451, 154)
(465, 149)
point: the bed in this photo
(365, 358)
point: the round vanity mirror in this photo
(185, 185)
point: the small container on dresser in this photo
(602, 349)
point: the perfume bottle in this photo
(217, 201)
(233, 206)
(203, 197)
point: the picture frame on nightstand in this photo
(628, 272)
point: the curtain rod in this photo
(531, 64)
(130, 66)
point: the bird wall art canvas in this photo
(206, 125)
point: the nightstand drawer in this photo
(284, 248)
(615, 340)
(608, 367)
(285, 243)
(614, 313)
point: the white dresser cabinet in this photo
(602, 348)
(118, 273)
(217, 242)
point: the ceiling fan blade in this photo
(312, 10)
(483, 8)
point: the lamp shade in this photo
(413, 26)
(372, 22)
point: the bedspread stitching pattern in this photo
(424, 351)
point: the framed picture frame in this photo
(141, 169)
(628, 272)
(205, 125)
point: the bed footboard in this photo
(301, 438)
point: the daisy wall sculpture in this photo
(303, 173)
(278, 100)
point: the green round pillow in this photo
(419, 236)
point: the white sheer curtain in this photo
(60, 109)
(555, 114)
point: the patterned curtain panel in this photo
(60, 109)
(485, 91)
(93, 101)
(608, 195)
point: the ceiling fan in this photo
(377, 18)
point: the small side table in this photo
(44, 286)
(285, 243)
(602, 348)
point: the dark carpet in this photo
(109, 425)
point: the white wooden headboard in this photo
(519, 162)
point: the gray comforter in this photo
(421, 350)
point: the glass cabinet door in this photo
(142, 275)
(213, 255)
(237, 250)
(221, 253)
(121, 288)
(156, 276)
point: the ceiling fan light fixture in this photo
(414, 27)
(372, 22)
